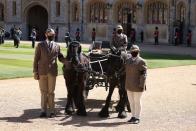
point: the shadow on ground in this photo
(91, 120)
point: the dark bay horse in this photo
(75, 79)
(116, 77)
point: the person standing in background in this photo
(142, 36)
(77, 34)
(67, 39)
(17, 37)
(33, 37)
(156, 36)
(189, 38)
(93, 35)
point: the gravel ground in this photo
(169, 104)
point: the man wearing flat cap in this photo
(136, 72)
(119, 41)
(45, 71)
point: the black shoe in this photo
(81, 113)
(52, 115)
(43, 114)
(136, 121)
(132, 119)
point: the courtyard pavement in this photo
(169, 103)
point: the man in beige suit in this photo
(136, 72)
(45, 71)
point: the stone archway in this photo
(37, 16)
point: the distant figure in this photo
(142, 36)
(189, 38)
(2, 36)
(177, 37)
(93, 35)
(33, 37)
(114, 32)
(156, 36)
(77, 34)
(12, 31)
(67, 39)
(17, 37)
(56, 33)
(133, 36)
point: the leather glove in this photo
(36, 76)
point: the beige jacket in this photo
(136, 72)
(45, 60)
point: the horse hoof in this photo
(81, 113)
(69, 111)
(122, 115)
(117, 108)
(104, 114)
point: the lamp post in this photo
(189, 15)
(82, 20)
(69, 26)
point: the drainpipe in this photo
(189, 15)
(82, 20)
(69, 27)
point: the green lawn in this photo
(15, 63)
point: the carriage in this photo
(98, 55)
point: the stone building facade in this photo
(103, 15)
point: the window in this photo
(1, 12)
(126, 13)
(14, 8)
(58, 8)
(75, 11)
(181, 11)
(157, 13)
(97, 12)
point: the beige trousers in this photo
(135, 103)
(47, 86)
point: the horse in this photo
(75, 79)
(116, 77)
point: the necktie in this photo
(50, 46)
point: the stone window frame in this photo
(75, 12)
(156, 12)
(121, 12)
(98, 12)
(58, 8)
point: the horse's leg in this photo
(69, 109)
(123, 98)
(79, 97)
(105, 110)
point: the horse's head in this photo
(74, 52)
(115, 62)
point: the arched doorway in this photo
(37, 17)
